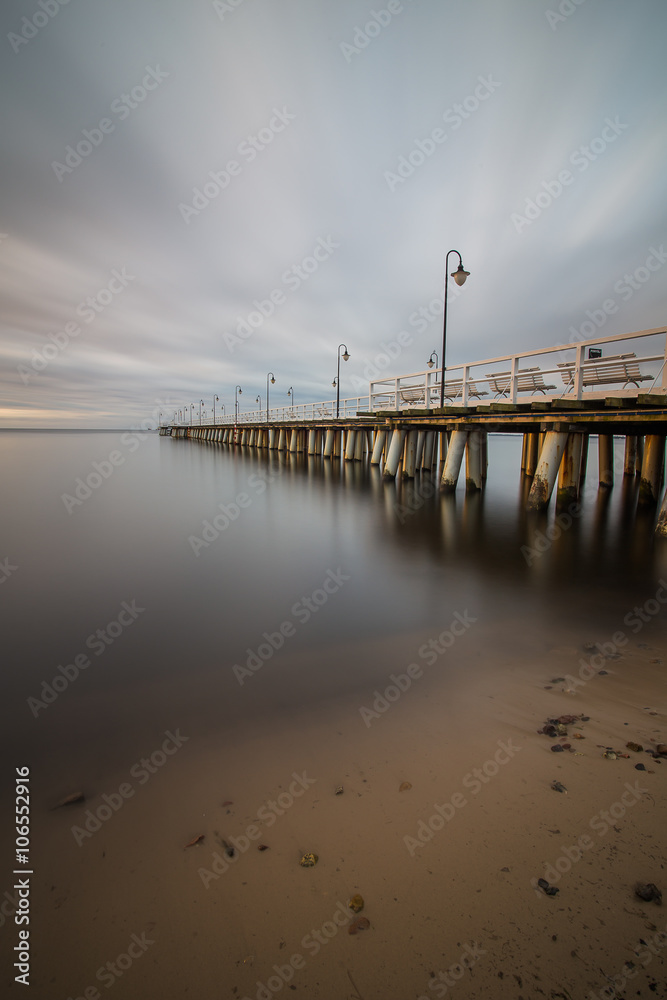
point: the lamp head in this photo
(346, 356)
(273, 381)
(430, 362)
(460, 275)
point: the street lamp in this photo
(258, 400)
(201, 403)
(216, 399)
(290, 392)
(346, 357)
(237, 390)
(271, 376)
(192, 406)
(430, 361)
(459, 276)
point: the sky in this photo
(197, 193)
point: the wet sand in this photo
(461, 898)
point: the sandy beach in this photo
(447, 867)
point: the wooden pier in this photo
(410, 440)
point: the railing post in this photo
(514, 381)
(579, 372)
(464, 385)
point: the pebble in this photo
(309, 860)
(362, 924)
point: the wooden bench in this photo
(618, 369)
(413, 397)
(527, 380)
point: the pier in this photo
(557, 406)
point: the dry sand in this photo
(466, 895)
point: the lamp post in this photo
(271, 376)
(237, 390)
(346, 357)
(459, 276)
(192, 406)
(216, 399)
(430, 361)
(201, 403)
(290, 392)
(258, 400)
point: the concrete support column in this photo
(640, 455)
(444, 445)
(410, 457)
(350, 445)
(532, 453)
(606, 459)
(378, 447)
(360, 446)
(311, 441)
(570, 470)
(474, 461)
(584, 461)
(338, 443)
(661, 526)
(630, 457)
(547, 470)
(427, 454)
(652, 464)
(394, 455)
(272, 438)
(293, 440)
(454, 452)
(421, 437)
(329, 443)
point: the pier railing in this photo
(621, 365)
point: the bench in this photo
(618, 369)
(527, 380)
(453, 390)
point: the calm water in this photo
(396, 560)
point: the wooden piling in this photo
(570, 470)
(474, 461)
(454, 457)
(652, 466)
(606, 460)
(394, 455)
(547, 470)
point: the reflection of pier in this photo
(407, 440)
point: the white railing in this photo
(636, 362)
(640, 365)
